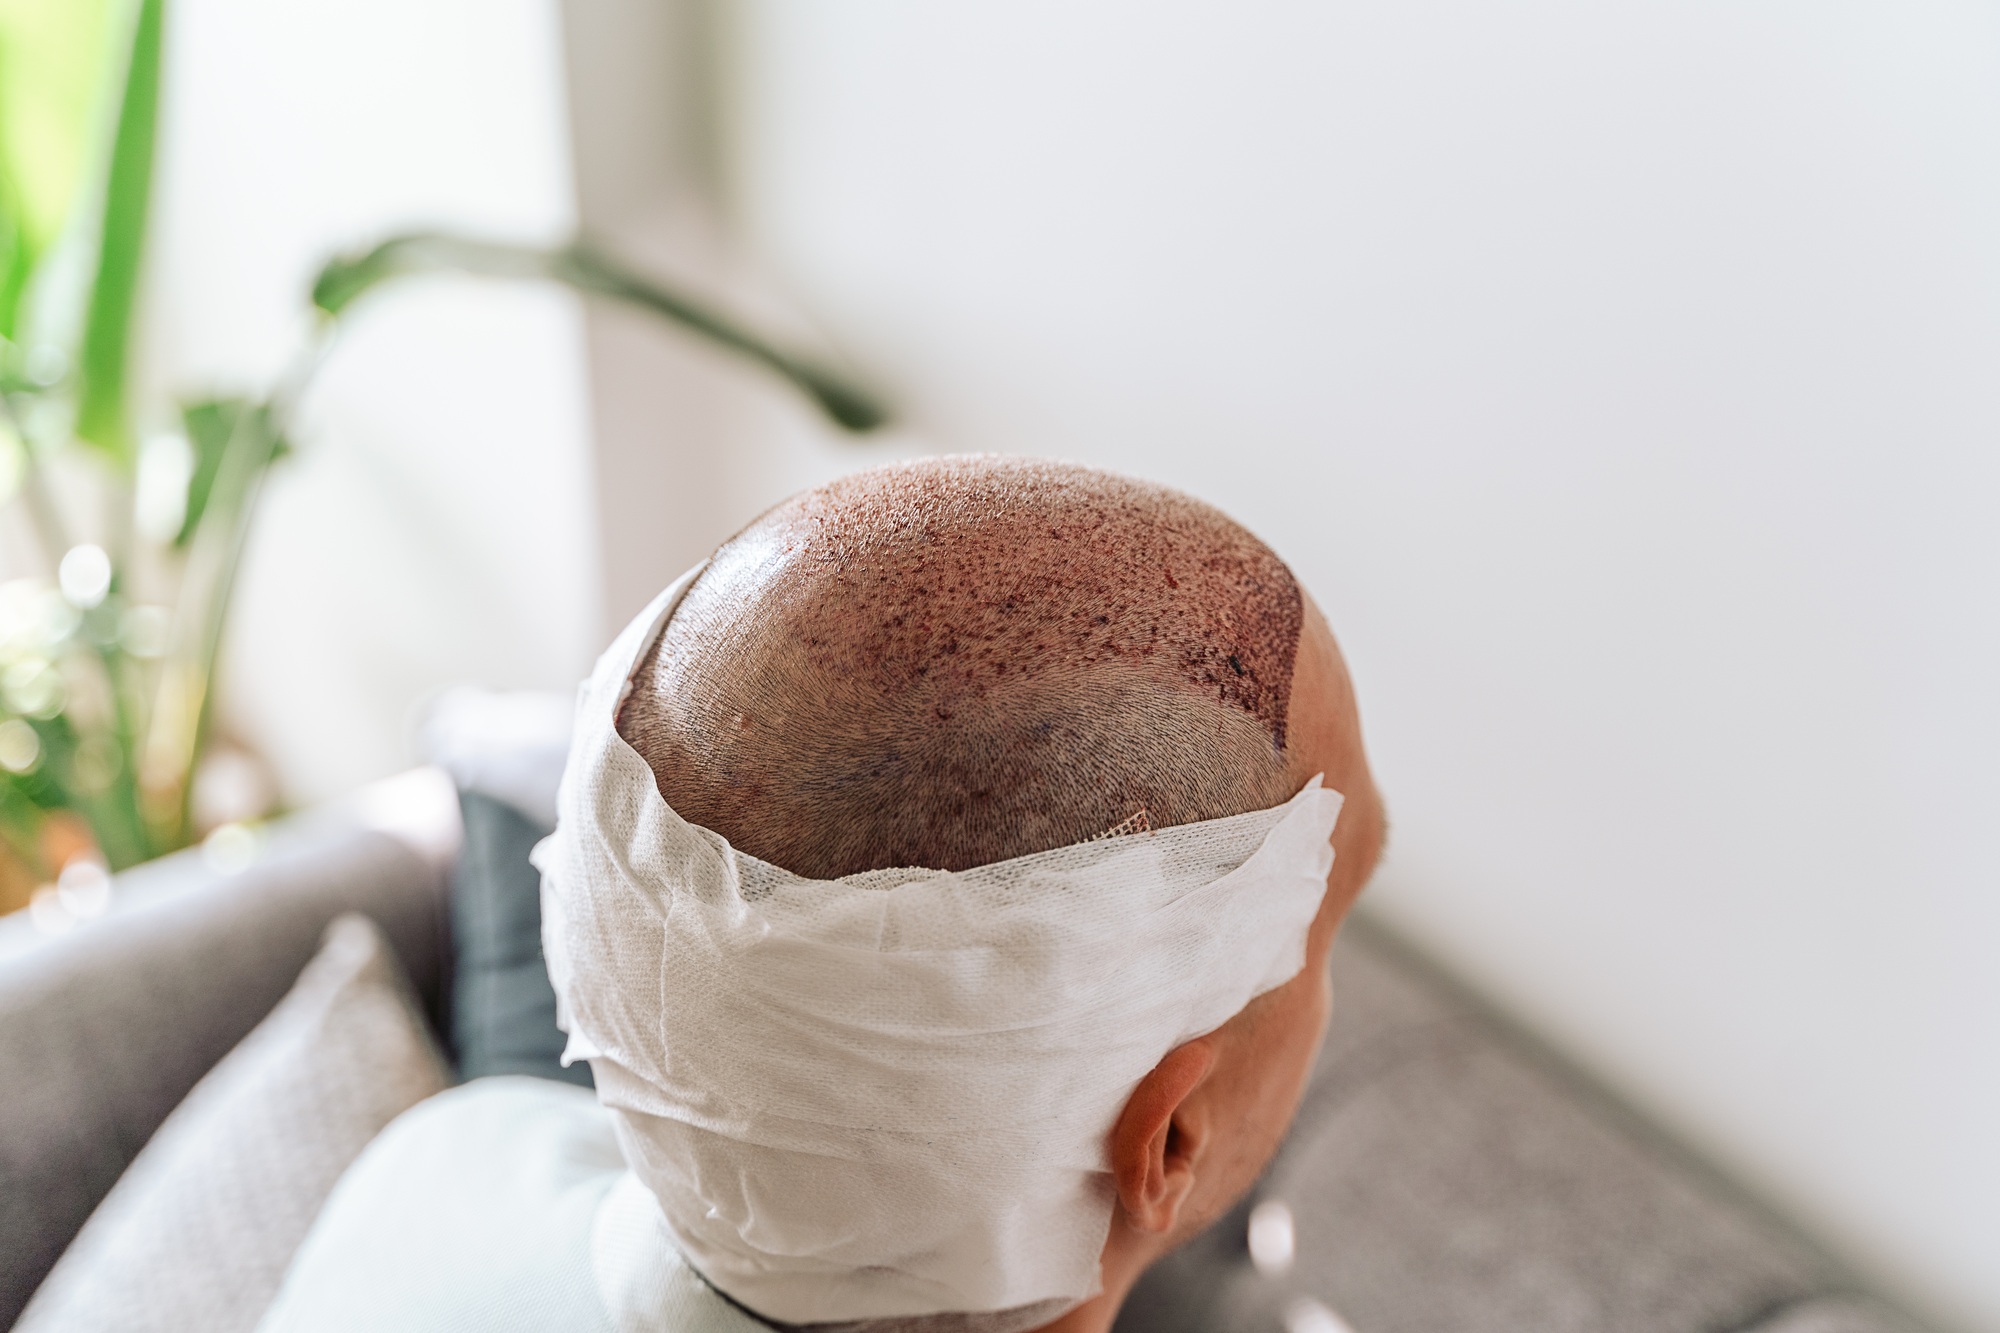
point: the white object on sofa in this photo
(197, 1233)
(507, 744)
(502, 1206)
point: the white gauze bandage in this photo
(890, 1094)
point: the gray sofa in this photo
(1444, 1176)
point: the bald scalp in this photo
(955, 661)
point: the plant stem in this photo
(184, 703)
(578, 265)
(51, 533)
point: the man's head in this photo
(958, 661)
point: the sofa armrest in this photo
(104, 1029)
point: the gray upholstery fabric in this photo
(1442, 1179)
(1457, 1161)
(103, 1031)
(1833, 1314)
(196, 1235)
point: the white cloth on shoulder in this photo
(501, 1206)
(890, 1094)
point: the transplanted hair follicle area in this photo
(959, 660)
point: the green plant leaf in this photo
(17, 264)
(347, 278)
(52, 63)
(211, 426)
(101, 416)
(52, 59)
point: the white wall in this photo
(1624, 380)
(687, 442)
(438, 522)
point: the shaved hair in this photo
(955, 661)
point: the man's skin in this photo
(1200, 1128)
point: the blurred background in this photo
(1623, 380)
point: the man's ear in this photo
(1160, 1138)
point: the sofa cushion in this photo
(503, 1017)
(505, 752)
(104, 1030)
(197, 1233)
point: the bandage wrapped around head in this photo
(891, 1094)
